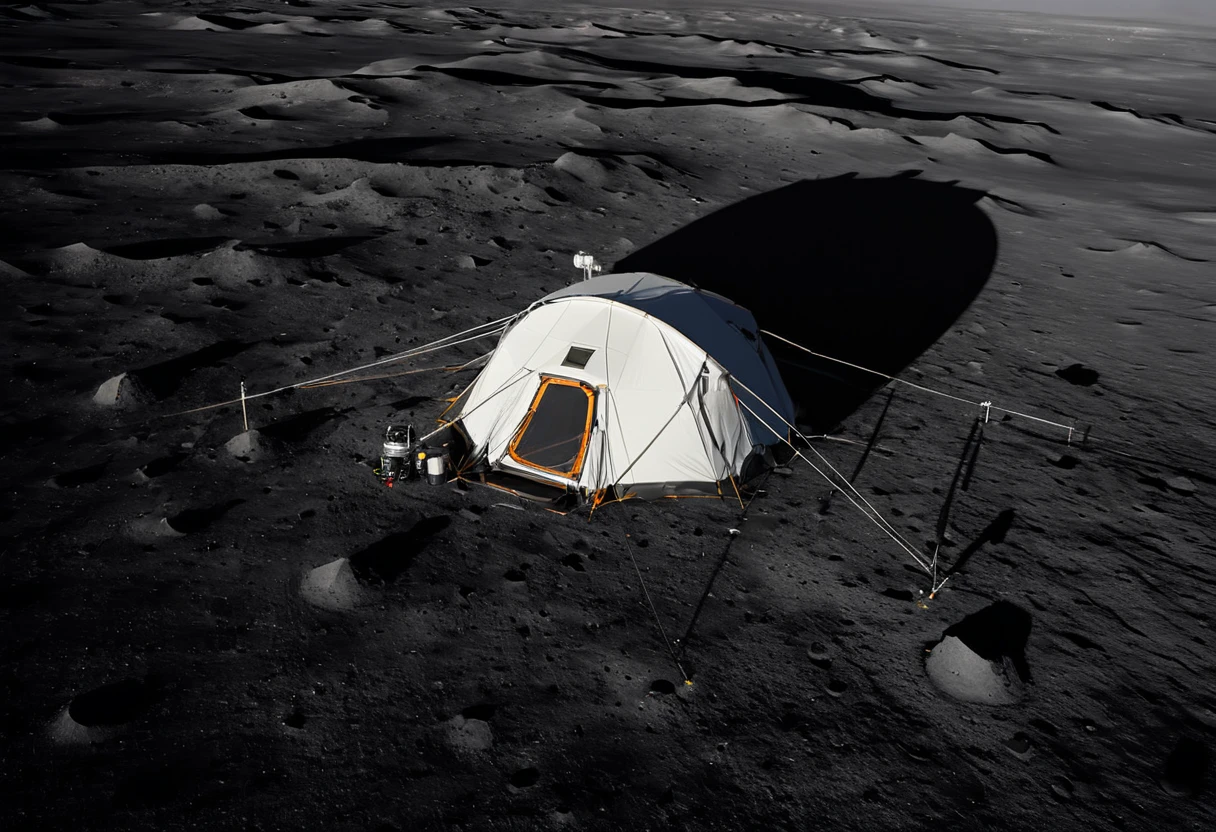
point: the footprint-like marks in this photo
(388, 559)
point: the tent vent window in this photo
(577, 357)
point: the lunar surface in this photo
(216, 620)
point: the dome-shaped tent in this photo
(620, 386)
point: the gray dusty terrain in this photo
(1010, 208)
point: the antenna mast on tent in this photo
(587, 263)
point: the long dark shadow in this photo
(870, 271)
(994, 533)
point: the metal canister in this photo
(436, 469)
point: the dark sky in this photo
(1194, 11)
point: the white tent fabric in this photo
(653, 359)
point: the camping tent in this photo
(621, 386)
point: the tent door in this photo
(553, 436)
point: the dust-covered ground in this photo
(1009, 208)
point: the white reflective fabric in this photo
(722, 328)
(664, 410)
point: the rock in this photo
(100, 714)
(203, 211)
(1182, 485)
(332, 586)
(470, 734)
(9, 270)
(122, 389)
(67, 731)
(152, 528)
(583, 168)
(246, 446)
(466, 261)
(964, 674)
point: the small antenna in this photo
(587, 263)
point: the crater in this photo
(194, 520)
(114, 704)
(1078, 374)
(1186, 767)
(484, 711)
(163, 465)
(81, 476)
(1019, 744)
(525, 778)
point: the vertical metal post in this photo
(244, 411)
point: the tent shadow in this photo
(869, 271)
